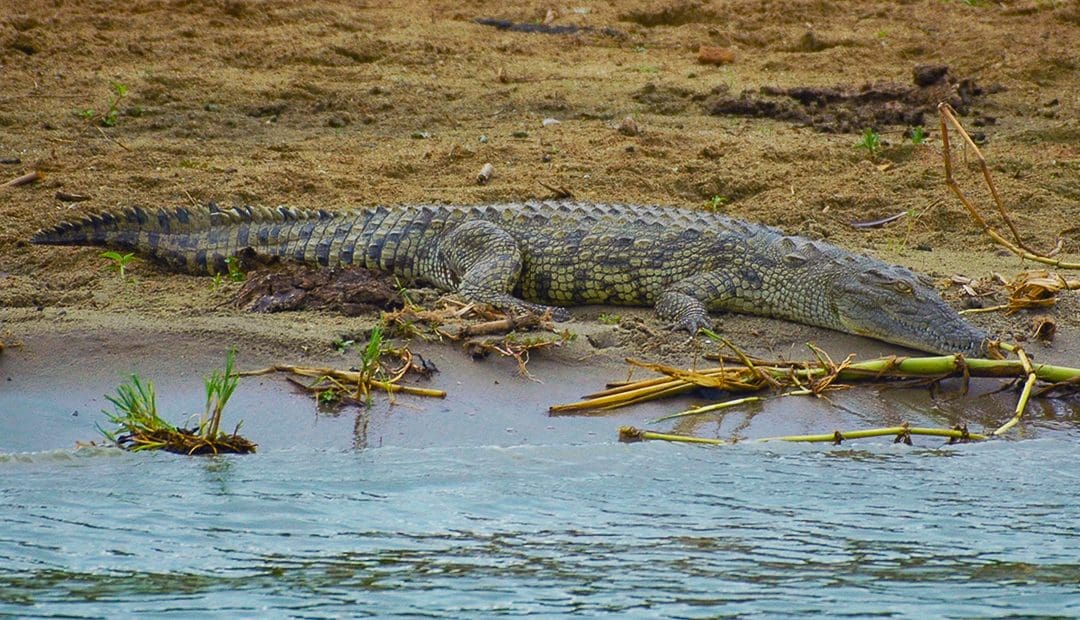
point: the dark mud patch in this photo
(664, 99)
(676, 14)
(352, 291)
(512, 26)
(847, 109)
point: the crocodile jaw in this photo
(933, 326)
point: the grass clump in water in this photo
(141, 427)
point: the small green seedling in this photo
(329, 397)
(235, 274)
(918, 135)
(119, 261)
(609, 319)
(870, 141)
(113, 113)
(716, 203)
(341, 345)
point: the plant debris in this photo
(902, 433)
(142, 427)
(480, 330)
(1036, 289)
(740, 373)
(1017, 245)
(25, 179)
(381, 369)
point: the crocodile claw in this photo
(559, 315)
(691, 324)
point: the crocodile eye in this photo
(902, 287)
(795, 260)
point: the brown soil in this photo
(333, 104)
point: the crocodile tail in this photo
(190, 239)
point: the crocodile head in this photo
(893, 304)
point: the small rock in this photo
(485, 174)
(712, 55)
(271, 109)
(629, 127)
(338, 121)
(520, 134)
(548, 122)
(604, 340)
(810, 42)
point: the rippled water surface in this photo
(631, 530)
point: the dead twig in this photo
(1018, 247)
(26, 179)
(878, 223)
(66, 197)
(112, 139)
(500, 326)
(560, 192)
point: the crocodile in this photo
(540, 256)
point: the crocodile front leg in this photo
(487, 262)
(685, 303)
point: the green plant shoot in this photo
(135, 411)
(220, 386)
(119, 261)
(870, 141)
(235, 274)
(111, 116)
(716, 203)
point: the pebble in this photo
(629, 127)
(711, 55)
(485, 174)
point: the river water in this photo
(459, 508)
(594, 529)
